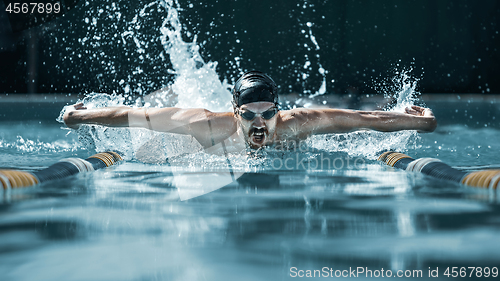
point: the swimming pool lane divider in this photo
(434, 167)
(64, 168)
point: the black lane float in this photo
(64, 168)
(434, 167)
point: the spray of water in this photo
(321, 70)
(312, 58)
(369, 144)
(197, 84)
(402, 90)
(26, 145)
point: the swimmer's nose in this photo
(259, 122)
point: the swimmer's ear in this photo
(235, 108)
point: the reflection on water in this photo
(127, 223)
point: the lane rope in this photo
(10, 179)
(436, 168)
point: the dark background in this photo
(451, 46)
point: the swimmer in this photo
(255, 119)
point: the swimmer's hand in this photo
(419, 111)
(69, 115)
(78, 114)
(426, 113)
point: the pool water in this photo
(127, 222)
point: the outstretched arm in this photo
(207, 127)
(324, 121)
(78, 114)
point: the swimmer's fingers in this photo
(412, 111)
(79, 106)
(429, 124)
(417, 108)
(419, 111)
(427, 112)
(73, 107)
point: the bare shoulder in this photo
(221, 118)
(222, 122)
(303, 122)
(294, 122)
(294, 115)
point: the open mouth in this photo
(258, 135)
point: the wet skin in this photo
(210, 128)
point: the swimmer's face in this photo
(258, 122)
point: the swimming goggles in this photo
(250, 115)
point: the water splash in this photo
(312, 53)
(400, 87)
(405, 88)
(29, 146)
(367, 144)
(402, 90)
(321, 70)
(197, 84)
(194, 82)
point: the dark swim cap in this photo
(254, 86)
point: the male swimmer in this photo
(256, 119)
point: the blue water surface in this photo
(127, 222)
